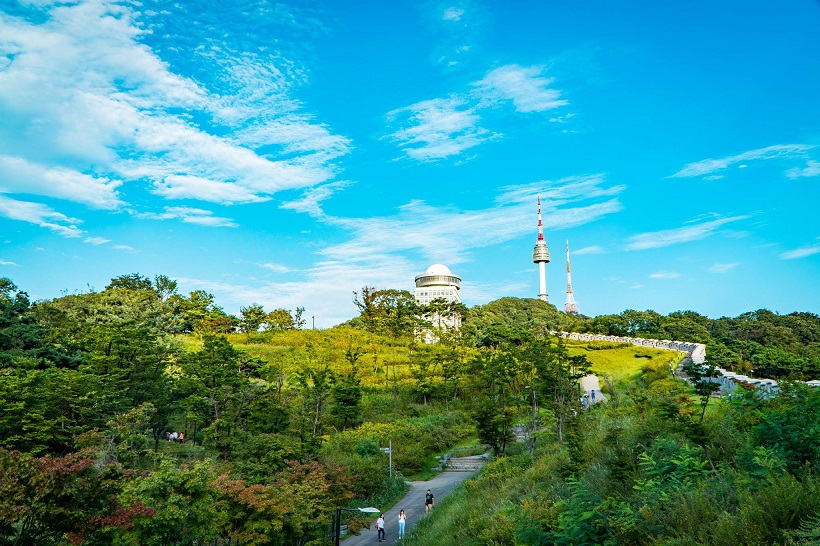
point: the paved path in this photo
(413, 505)
(590, 383)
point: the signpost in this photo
(389, 451)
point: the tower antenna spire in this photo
(570, 306)
(541, 256)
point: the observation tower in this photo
(541, 256)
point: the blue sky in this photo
(288, 154)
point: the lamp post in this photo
(337, 520)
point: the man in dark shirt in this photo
(429, 501)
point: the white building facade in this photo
(439, 283)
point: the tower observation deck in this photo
(541, 256)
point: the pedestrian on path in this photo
(592, 395)
(402, 521)
(429, 501)
(380, 527)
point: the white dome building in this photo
(438, 283)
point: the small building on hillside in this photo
(437, 289)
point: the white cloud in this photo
(812, 168)
(664, 275)
(325, 290)
(525, 86)
(710, 166)
(438, 128)
(801, 252)
(89, 109)
(724, 268)
(190, 215)
(452, 14)
(195, 187)
(447, 234)
(276, 268)
(22, 176)
(125, 248)
(4, 262)
(435, 129)
(41, 215)
(96, 241)
(311, 200)
(594, 249)
(684, 234)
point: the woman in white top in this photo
(380, 527)
(402, 520)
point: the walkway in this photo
(413, 505)
(590, 383)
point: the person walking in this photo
(402, 521)
(592, 395)
(380, 527)
(429, 502)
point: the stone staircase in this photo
(466, 464)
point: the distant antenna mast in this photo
(570, 306)
(541, 256)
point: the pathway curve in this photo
(413, 505)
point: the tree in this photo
(510, 320)
(701, 376)
(557, 375)
(200, 314)
(387, 312)
(219, 390)
(494, 372)
(251, 318)
(132, 281)
(347, 397)
(60, 500)
(165, 287)
(280, 320)
(298, 318)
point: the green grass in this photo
(622, 363)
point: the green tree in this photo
(251, 318)
(219, 390)
(387, 312)
(132, 281)
(280, 320)
(494, 372)
(557, 375)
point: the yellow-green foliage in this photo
(413, 439)
(379, 357)
(382, 360)
(622, 362)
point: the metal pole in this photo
(337, 527)
(390, 454)
(313, 320)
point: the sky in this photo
(288, 154)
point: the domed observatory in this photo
(438, 283)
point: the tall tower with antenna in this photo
(541, 256)
(570, 306)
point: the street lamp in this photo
(337, 520)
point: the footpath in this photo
(413, 505)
